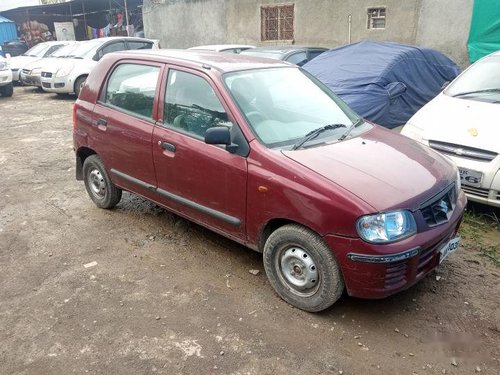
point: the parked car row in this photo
(62, 67)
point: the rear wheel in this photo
(79, 83)
(8, 90)
(302, 268)
(99, 186)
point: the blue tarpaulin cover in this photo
(384, 82)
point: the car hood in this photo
(68, 62)
(384, 169)
(19, 62)
(460, 121)
(41, 63)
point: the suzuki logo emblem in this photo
(459, 151)
(472, 131)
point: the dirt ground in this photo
(136, 290)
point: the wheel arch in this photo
(271, 226)
(81, 154)
(83, 75)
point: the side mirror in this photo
(220, 135)
(395, 89)
(8, 56)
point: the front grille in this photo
(463, 151)
(395, 275)
(438, 210)
(425, 258)
(46, 75)
(46, 85)
(480, 192)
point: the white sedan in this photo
(462, 123)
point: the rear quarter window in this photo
(132, 88)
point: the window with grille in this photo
(376, 18)
(277, 22)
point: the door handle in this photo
(167, 146)
(102, 122)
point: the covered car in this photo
(384, 82)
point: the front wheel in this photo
(99, 186)
(7, 90)
(302, 268)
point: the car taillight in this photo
(74, 116)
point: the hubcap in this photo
(298, 270)
(97, 184)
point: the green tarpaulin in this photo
(484, 36)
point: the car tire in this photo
(80, 81)
(8, 90)
(103, 192)
(302, 269)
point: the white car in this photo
(462, 123)
(6, 87)
(227, 48)
(30, 74)
(68, 74)
(33, 54)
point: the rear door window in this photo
(112, 47)
(139, 45)
(132, 88)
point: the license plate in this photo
(470, 177)
(449, 248)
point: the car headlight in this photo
(386, 227)
(64, 71)
(412, 131)
(4, 65)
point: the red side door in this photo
(123, 121)
(203, 182)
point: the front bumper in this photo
(30, 79)
(378, 271)
(63, 85)
(5, 77)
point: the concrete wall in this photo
(440, 24)
(324, 22)
(185, 23)
(444, 25)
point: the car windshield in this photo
(38, 50)
(288, 108)
(64, 51)
(480, 82)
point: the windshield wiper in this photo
(475, 92)
(348, 131)
(313, 134)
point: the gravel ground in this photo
(137, 290)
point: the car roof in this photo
(283, 49)
(219, 47)
(220, 61)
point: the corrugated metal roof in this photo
(3, 19)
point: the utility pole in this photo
(126, 15)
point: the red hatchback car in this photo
(263, 153)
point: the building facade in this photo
(440, 24)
